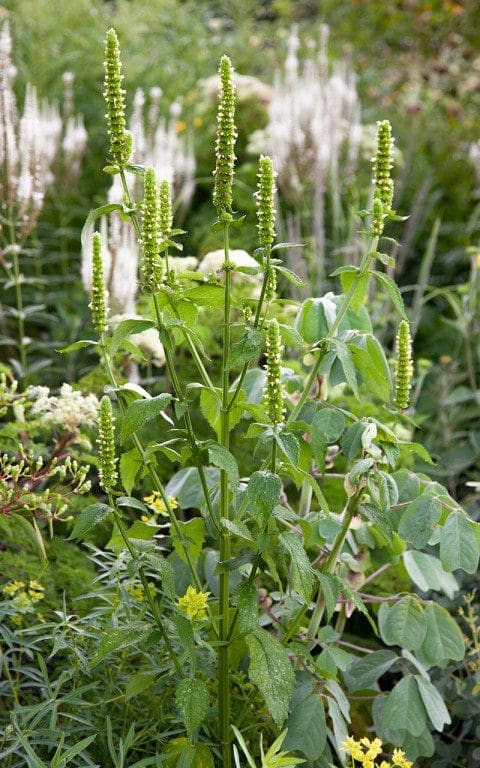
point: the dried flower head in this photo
(98, 303)
(273, 393)
(403, 366)
(120, 138)
(226, 137)
(106, 445)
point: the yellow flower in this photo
(12, 587)
(194, 603)
(180, 126)
(400, 760)
(373, 747)
(156, 502)
(384, 764)
(353, 748)
(197, 122)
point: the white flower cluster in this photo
(213, 260)
(314, 132)
(29, 144)
(75, 135)
(69, 411)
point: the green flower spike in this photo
(273, 394)
(377, 217)
(226, 137)
(403, 366)
(106, 445)
(120, 138)
(98, 304)
(265, 205)
(152, 263)
(382, 163)
(166, 216)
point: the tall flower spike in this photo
(120, 138)
(403, 366)
(226, 137)
(106, 445)
(273, 394)
(377, 217)
(152, 263)
(166, 217)
(265, 205)
(382, 163)
(98, 304)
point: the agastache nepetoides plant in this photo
(291, 489)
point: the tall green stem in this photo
(224, 587)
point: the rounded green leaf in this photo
(419, 520)
(458, 544)
(403, 624)
(404, 709)
(443, 638)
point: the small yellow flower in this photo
(373, 747)
(12, 587)
(197, 122)
(400, 760)
(194, 603)
(445, 359)
(180, 126)
(353, 748)
(156, 502)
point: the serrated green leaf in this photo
(140, 412)
(289, 446)
(245, 350)
(119, 638)
(247, 607)
(264, 489)
(346, 360)
(271, 671)
(330, 423)
(193, 701)
(192, 538)
(131, 464)
(303, 575)
(331, 589)
(207, 295)
(393, 291)
(458, 544)
(164, 570)
(89, 518)
(224, 460)
(138, 683)
(77, 345)
(126, 328)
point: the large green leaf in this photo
(303, 575)
(329, 423)
(247, 619)
(458, 544)
(119, 638)
(140, 412)
(427, 573)
(89, 518)
(419, 520)
(223, 459)
(192, 536)
(271, 671)
(263, 491)
(404, 709)
(363, 673)
(306, 728)
(403, 624)
(443, 639)
(434, 704)
(193, 701)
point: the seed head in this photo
(106, 445)
(403, 366)
(120, 138)
(265, 205)
(98, 304)
(226, 137)
(152, 262)
(273, 394)
(382, 163)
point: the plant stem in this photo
(224, 586)
(146, 588)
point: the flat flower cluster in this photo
(365, 751)
(70, 410)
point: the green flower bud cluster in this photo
(265, 205)
(166, 216)
(271, 283)
(377, 217)
(106, 444)
(403, 366)
(226, 137)
(98, 303)
(120, 138)
(153, 271)
(273, 394)
(382, 164)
